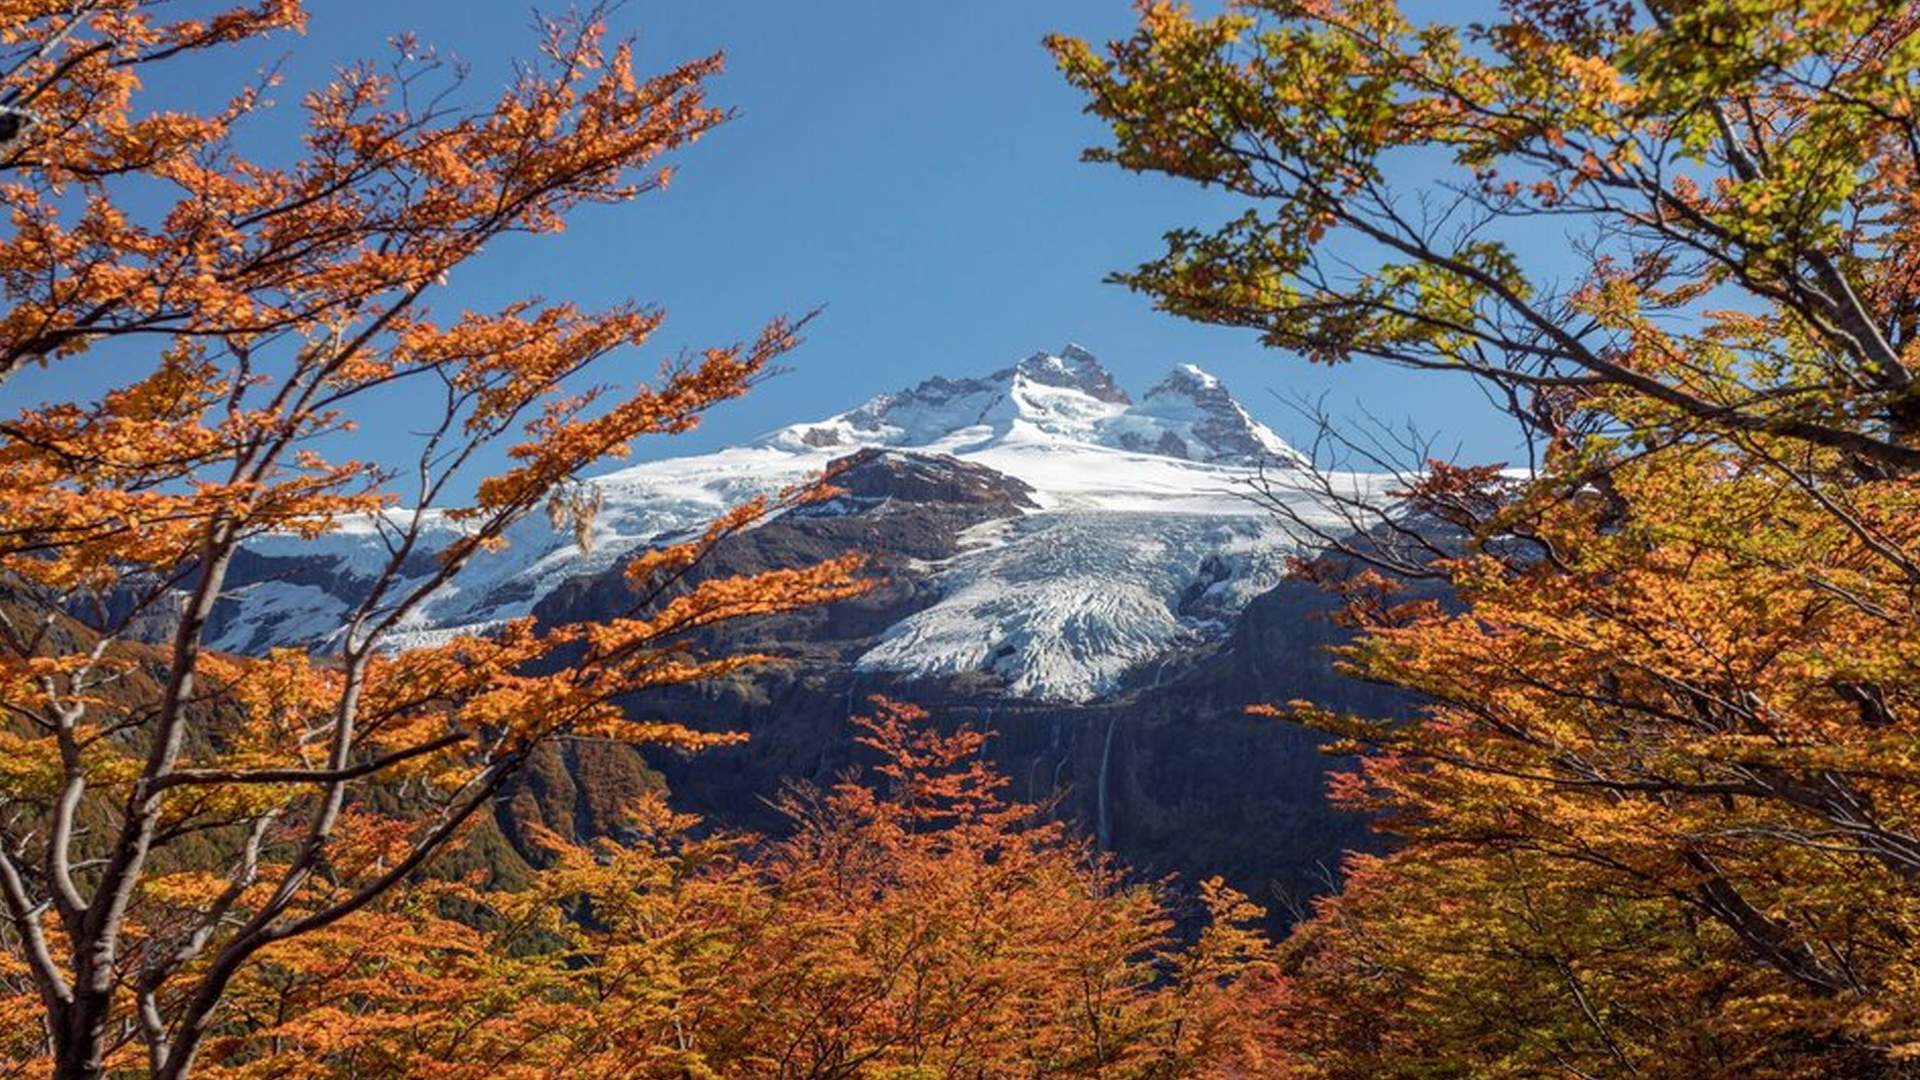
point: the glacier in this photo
(1142, 540)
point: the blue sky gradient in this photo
(911, 168)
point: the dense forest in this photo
(1637, 755)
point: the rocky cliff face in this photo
(1172, 775)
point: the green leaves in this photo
(1657, 816)
(1746, 159)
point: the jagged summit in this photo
(1187, 379)
(1212, 421)
(1066, 396)
(1073, 368)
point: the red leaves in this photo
(936, 779)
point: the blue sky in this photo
(913, 168)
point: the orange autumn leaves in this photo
(913, 922)
(1656, 814)
(172, 812)
(1659, 816)
(392, 194)
(222, 865)
(1656, 817)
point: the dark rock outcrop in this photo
(1173, 777)
(900, 508)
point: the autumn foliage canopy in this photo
(912, 922)
(172, 817)
(1658, 814)
(1661, 814)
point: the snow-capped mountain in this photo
(1131, 538)
(1046, 397)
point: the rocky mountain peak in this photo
(1215, 426)
(1191, 381)
(1061, 530)
(1068, 396)
(1074, 368)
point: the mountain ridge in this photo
(1188, 415)
(1134, 536)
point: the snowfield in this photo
(1144, 538)
(1070, 602)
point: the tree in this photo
(1654, 821)
(1658, 817)
(912, 923)
(171, 814)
